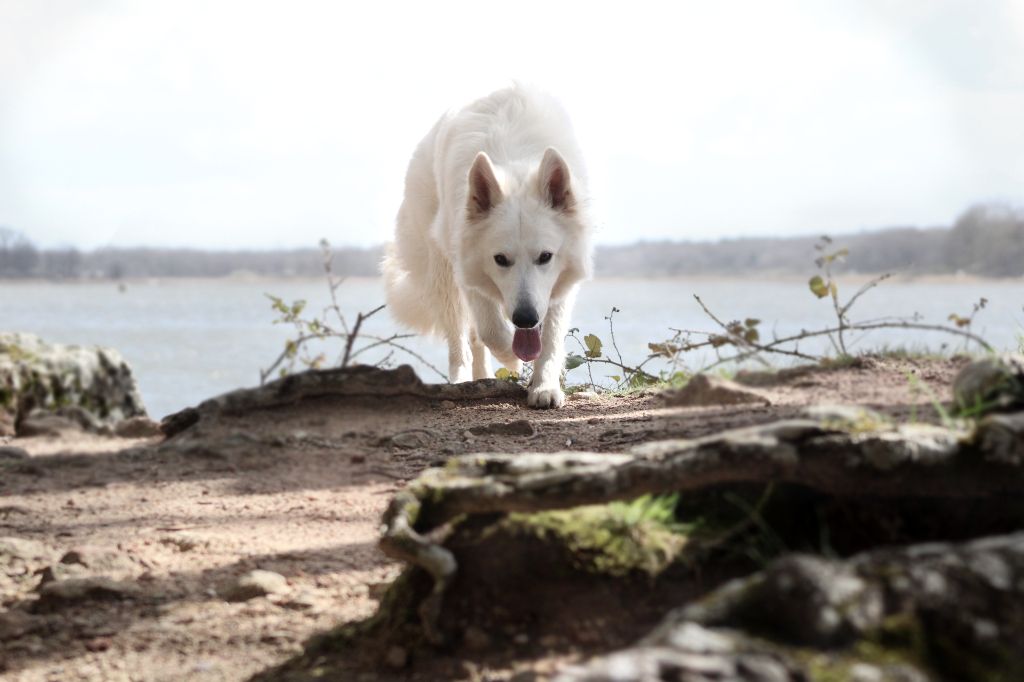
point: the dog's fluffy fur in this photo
(501, 178)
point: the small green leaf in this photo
(572, 361)
(751, 335)
(751, 321)
(504, 374)
(593, 345)
(615, 377)
(818, 286)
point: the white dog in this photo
(492, 238)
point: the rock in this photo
(98, 644)
(137, 427)
(705, 390)
(60, 593)
(990, 384)
(693, 653)
(945, 607)
(356, 382)
(97, 559)
(447, 405)
(520, 427)
(70, 380)
(57, 572)
(410, 439)
(15, 623)
(184, 542)
(22, 552)
(257, 583)
(303, 601)
(10, 453)
(40, 423)
(582, 396)
(844, 454)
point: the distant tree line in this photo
(19, 258)
(987, 239)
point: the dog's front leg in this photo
(455, 327)
(546, 385)
(494, 331)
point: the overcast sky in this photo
(259, 124)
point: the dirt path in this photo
(164, 531)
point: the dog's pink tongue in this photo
(526, 344)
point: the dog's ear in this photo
(484, 190)
(555, 181)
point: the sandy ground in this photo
(298, 491)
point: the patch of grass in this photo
(917, 386)
(839, 361)
(616, 539)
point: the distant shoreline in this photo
(847, 277)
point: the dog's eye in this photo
(544, 258)
(501, 260)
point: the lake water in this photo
(188, 340)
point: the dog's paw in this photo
(544, 397)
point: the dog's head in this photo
(525, 242)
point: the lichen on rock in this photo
(91, 387)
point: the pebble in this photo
(50, 425)
(61, 593)
(705, 389)
(11, 453)
(254, 584)
(303, 601)
(410, 439)
(137, 427)
(13, 549)
(582, 395)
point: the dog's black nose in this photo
(525, 317)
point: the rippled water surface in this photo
(190, 339)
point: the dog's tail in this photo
(407, 301)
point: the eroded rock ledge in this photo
(926, 612)
(351, 382)
(838, 451)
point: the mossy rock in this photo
(54, 378)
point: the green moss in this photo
(17, 353)
(864, 422)
(615, 539)
(903, 632)
(837, 666)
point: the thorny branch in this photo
(745, 336)
(319, 329)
